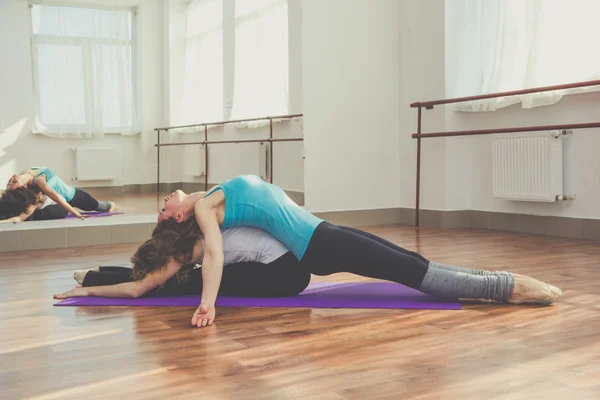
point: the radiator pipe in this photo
(564, 198)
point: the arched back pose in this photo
(52, 186)
(325, 249)
(256, 265)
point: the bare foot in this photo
(531, 291)
(112, 207)
(79, 275)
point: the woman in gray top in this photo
(257, 265)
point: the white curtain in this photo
(249, 71)
(84, 71)
(203, 76)
(261, 67)
(502, 45)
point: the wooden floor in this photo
(482, 352)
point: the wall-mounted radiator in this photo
(95, 164)
(193, 160)
(528, 167)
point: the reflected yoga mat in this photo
(317, 295)
(95, 214)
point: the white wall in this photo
(19, 148)
(351, 121)
(469, 159)
(457, 172)
(581, 161)
(422, 78)
(364, 63)
(356, 67)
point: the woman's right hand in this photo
(77, 291)
(204, 315)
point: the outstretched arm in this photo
(128, 289)
(20, 218)
(48, 191)
(212, 264)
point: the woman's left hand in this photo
(204, 315)
(77, 291)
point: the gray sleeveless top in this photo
(248, 244)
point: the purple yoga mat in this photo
(94, 214)
(317, 295)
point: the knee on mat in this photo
(302, 283)
(295, 286)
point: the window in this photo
(84, 74)
(203, 76)
(261, 59)
(236, 60)
(502, 45)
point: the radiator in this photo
(528, 167)
(193, 160)
(95, 164)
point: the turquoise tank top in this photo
(250, 201)
(66, 191)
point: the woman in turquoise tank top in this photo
(324, 248)
(66, 196)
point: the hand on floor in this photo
(77, 291)
(204, 315)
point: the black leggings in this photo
(84, 201)
(281, 278)
(385, 242)
(334, 249)
(54, 211)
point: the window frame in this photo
(37, 39)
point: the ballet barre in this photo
(428, 105)
(207, 142)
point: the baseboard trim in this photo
(390, 216)
(578, 228)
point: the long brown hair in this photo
(17, 201)
(170, 239)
